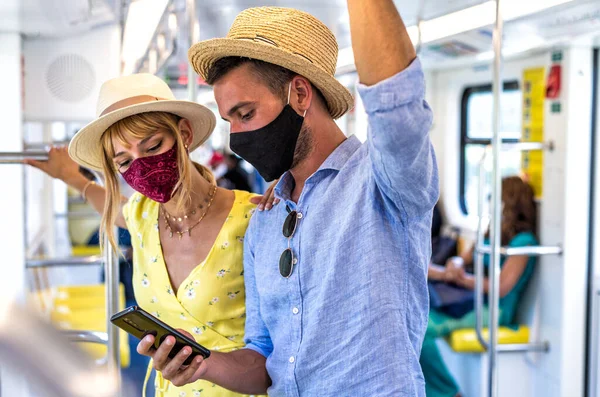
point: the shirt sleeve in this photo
(525, 239)
(257, 335)
(401, 153)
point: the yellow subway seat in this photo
(83, 307)
(86, 250)
(78, 304)
(71, 298)
(95, 315)
(67, 299)
(77, 291)
(93, 319)
(465, 340)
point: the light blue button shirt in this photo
(351, 318)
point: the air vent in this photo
(70, 78)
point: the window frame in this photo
(512, 85)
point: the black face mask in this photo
(270, 149)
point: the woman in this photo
(187, 234)
(518, 230)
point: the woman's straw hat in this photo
(286, 37)
(129, 95)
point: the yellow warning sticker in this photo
(534, 93)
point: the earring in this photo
(186, 147)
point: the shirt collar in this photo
(284, 186)
(335, 162)
(341, 154)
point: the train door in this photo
(593, 338)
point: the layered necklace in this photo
(207, 202)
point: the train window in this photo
(476, 134)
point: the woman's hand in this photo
(59, 165)
(172, 369)
(268, 200)
(455, 270)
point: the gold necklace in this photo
(189, 230)
(185, 216)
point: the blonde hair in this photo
(141, 126)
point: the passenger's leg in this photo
(438, 380)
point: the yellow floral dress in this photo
(210, 303)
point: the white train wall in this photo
(556, 305)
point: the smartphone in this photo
(139, 323)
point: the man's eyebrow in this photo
(237, 107)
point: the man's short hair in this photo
(275, 77)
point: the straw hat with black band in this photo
(129, 95)
(286, 37)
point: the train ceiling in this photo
(60, 18)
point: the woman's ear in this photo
(187, 134)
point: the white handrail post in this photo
(495, 230)
(111, 274)
(479, 255)
(194, 31)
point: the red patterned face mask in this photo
(154, 176)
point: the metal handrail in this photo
(68, 261)
(45, 145)
(110, 259)
(481, 250)
(86, 336)
(520, 147)
(533, 250)
(479, 257)
(111, 269)
(495, 230)
(193, 36)
(78, 215)
(18, 157)
(526, 146)
(523, 347)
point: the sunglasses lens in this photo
(290, 224)
(286, 263)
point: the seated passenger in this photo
(518, 230)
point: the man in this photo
(336, 305)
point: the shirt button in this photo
(295, 310)
(295, 261)
(292, 359)
(300, 215)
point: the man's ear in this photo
(302, 94)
